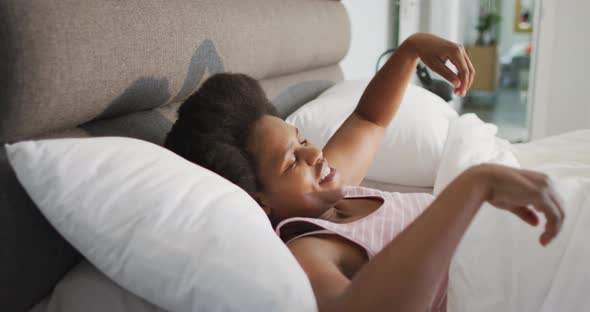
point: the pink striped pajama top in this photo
(376, 230)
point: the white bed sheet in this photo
(500, 265)
(492, 271)
(565, 155)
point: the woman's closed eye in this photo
(294, 163)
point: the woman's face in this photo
(297, 180)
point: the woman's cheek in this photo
(310, 180)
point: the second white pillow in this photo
(414, 141)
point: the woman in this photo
(313, 197)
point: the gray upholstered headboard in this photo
(94, 68)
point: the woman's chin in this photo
(333, 191)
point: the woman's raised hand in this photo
(520, 191)
(435, 51)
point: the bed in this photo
(78, 69)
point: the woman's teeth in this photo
(325, 173)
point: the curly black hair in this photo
(214, 125)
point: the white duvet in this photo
(500, 265)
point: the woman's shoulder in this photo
(317, 248)
(322, 252)
(312, 243)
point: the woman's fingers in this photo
(440, 68)
(435, 52)
(546, 183)
(541, 195)
(549, 196)
(544, 203)
(552, 213)
(471, 68)
(527, 215)
(457, 57)
(520, 191)
(558, 202)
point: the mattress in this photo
(87, 289)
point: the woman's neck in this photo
(350, 209)
(335, 213)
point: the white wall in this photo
(371, 34)
(446, 19)
(560, 94)
(470, 13)
(373, 23)
(410, 18)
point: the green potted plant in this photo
(485, 24)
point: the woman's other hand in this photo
(520, 191)
(435, 51)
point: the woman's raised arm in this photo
(352, 148)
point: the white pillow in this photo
(413, 143)
(170, 231)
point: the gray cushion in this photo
(34, 256)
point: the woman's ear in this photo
(259, 197)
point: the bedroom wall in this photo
(470, 15)
(445, 19)
(373, 29)
(372, 26)
(560, 96)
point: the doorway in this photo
(498, 39)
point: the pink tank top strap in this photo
(326, 227)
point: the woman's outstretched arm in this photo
(404, 276)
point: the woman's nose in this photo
(312, 154)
